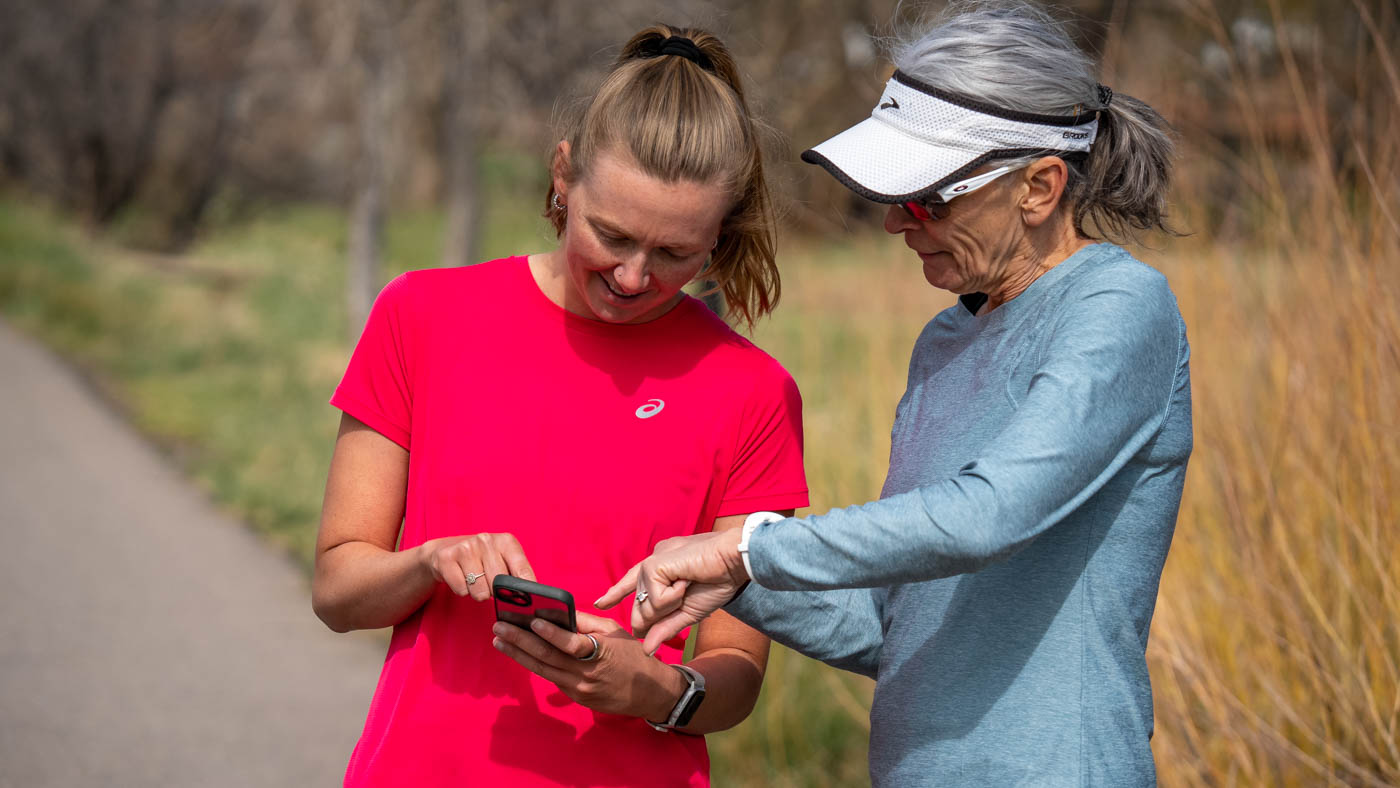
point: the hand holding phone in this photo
(518, 601)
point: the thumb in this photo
(665, 629)
(595, 625)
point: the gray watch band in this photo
(695, 686)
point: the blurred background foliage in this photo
(198, 198)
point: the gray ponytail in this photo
(1015, 55)
(1123, 186)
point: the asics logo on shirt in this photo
(651, 408)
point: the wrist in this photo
(422, 557)
(672, 685)
(751, 524)
(733, 551)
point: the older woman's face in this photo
(970, 250)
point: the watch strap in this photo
(751, 524)
(688, 702)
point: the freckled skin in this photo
(630, 242)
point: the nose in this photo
(898, 220)
(632, 274)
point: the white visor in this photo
(919, 139)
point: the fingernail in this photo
(498, 644)
(537, 625)
(498, 628)
(598, 602)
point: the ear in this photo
(1045, 181)
(560, 169)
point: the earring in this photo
(555, 204)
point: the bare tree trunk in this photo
(367, 211)
(466, 33)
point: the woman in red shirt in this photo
(553, 417)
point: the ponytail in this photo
(1122, 186)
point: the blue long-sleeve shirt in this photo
(1001, 590)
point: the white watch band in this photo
(751, 524)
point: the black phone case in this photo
(517, 601)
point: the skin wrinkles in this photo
(631, 241)
(997, 240)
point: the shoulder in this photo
(1111, 309)
(428, 292)
(1131, 284)
(430, 280)
(1112, 290)
(752, 372)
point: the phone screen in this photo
(517, 606)
(551, 610)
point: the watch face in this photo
(690, 708)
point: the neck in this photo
(1040, 250)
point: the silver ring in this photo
(641, 595)
(472, 577)
(596, 649)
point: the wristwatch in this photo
(751, 524)
(689, 701)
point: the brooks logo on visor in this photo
(1076, 135)
(650, 409)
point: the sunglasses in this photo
(936, 207)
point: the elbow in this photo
(864, 663)
(331, 614)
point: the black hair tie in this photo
(1105, 96)
(680, 46)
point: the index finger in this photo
(620, 590)
(514, 557)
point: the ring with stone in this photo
(472, 577)
(641, 595)
(596, 648)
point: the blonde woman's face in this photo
(631, 241)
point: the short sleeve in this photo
(767, 471)
(377, 387)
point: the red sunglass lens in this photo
(917, 211)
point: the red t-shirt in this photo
(590, 442)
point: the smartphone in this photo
(518, 601)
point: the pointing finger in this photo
(620, 590)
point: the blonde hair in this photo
(680, 120)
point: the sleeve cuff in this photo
(372, 418)
(758, 503)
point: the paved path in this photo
(145, 639)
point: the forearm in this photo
(362, 586)
(842, 628)
(733, 678)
